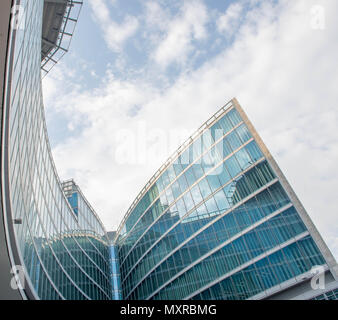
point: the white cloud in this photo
(182, 30)
(114, 34)
(156, 15)
(282, 70)
(228, 22)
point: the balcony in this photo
(59, 22)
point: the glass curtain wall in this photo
(215, 224)
(65, 252)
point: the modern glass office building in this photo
(220, 221)
(217, 221)
(49, 231)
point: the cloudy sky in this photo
(142, 76)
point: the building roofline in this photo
(78, 189)
(59, 22)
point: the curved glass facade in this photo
(215, 223)
(62, 244)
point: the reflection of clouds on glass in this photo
(318, 18)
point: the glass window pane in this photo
(254, 151)
(221, 200)
(243, 159)
(205, 189)
(190, 176)
(243, 133)
(233, 166)
(234, 140)
(234, 117)
(225, 123)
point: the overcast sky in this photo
(141, 76)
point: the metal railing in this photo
(62, 44)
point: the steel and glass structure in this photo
(49, 230)
(220, 221)
(115, 268)
(217, 221)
